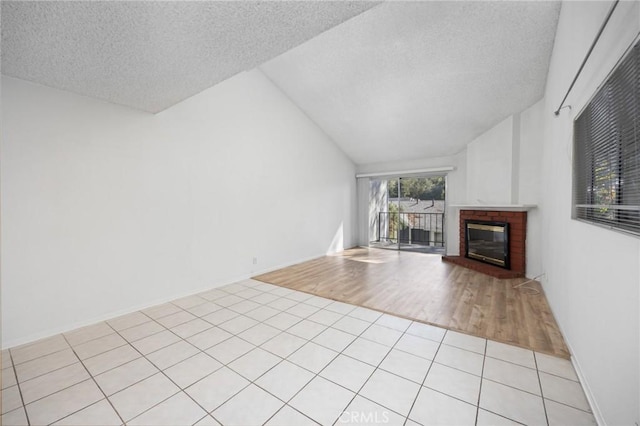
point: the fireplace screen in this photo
(488, 242)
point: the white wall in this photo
(106, 209)
(528, 182)
(592, 276)
(531, 134)
(489, 165)
(455, 192)
(503, 167)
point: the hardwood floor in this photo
(423, 288)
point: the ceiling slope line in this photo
(307, 116)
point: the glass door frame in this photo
(398, 219)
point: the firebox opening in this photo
(488, 242)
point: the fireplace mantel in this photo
(496, 207)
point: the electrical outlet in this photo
(255, 260)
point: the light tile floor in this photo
(252, 353)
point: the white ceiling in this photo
(420, 79)
(151, 55)
(390, 81)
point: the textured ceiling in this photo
(151, 55)
(420, 79)
(397, 81)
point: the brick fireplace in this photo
(517, 221)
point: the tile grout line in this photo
(378, 367)
(59, 390)
(70, 346)
(311, 295)
(226, 365)
(484, 360)
(530, 368)
(142, 355)
(370, 375)
(544, 405)
(311, 340)
(169, 378)
(44, 374)
(181, 390)
(290, 407)
(518, 389)
(425, 378)
(314, 373)
(503, 417)
(151, 319)
(90, 374)
(288, 328)
(201, 351)
(330, 326)
(24, 406)
(280, 332)
(286, 403)
(482, 379)
(333, 359)
(95, 382)
(506, 384)
(41, 356)
(566, 405)
(313, 289)
(514, 388)
(48, 372)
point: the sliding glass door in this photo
(407, 213)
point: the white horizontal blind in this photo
(606, 172)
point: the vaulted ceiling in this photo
(420, 79)
(386, 81)
(153, 54)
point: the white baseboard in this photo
(586, 388)
(284, 265)
(581, 377)
(93, 320)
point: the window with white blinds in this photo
(606, 157)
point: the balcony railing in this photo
(411, 228)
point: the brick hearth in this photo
(517, 241)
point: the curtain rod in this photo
(586, 58)
(406, 172)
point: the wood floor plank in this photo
(423, 288)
